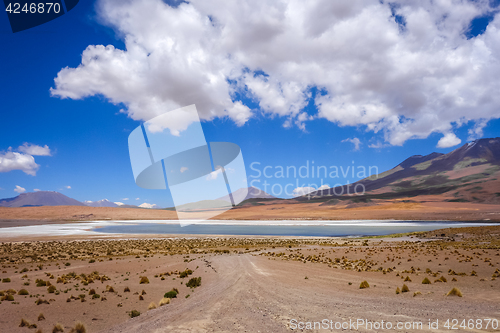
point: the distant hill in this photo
(41, 198)
(253, 193)
(100, 203)
(469, 173)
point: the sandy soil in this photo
(252, 284)
(428, 208)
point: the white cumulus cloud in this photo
(303, 190)
(10, 161)
(448, 140)
(400, 69)
(148, 205)
(184, 169)
(35, 150)
(19, 189)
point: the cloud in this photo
(355, 141)
(23, 158)
(19, 189)
(218, 170)
(68, 187)
(323, 187)
(35, 150)
(214, 174)
(184, 169)
(36, 190)
(401, 69)
(147, 205)
(477, 131)
(10, 161)
(448, 140)
(119, 203)
(137, 199)
(297, 192)
(378, 145)
(125, 199)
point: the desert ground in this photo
(250, 284)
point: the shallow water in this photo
(305, 228)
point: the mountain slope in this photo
(242, 194)
(41, 198)
(469, 173)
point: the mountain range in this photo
(40, 198)
(470, 173)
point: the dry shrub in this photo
(134, 313)
(426, 281)
(152, 306)
(405, 289)
(91, 291)
(416, 293)
(41, 301)
(164, 301)
(41, 317)
(364, 285)
(454, 292)
(79, 328)
(407, 279)
(23, 292)
(58, 328)
(24, 323)
(144, 280)
(398, 291)
(126, 290)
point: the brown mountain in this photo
(470, 173)
(40, 198)
(247, 193)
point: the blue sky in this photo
(87, 135)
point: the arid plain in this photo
(250, 284)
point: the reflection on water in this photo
(329, 230)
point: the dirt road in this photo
(251, 293)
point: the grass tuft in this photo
(454, 292)
(79, 328)
(364, 285)
(23, 292)
(134, 313)
(164, 301)
(58, 328)
(144, 280)
(152, 306)
(24, 323)
(426, 281)
(405, 289)
(194, 282)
